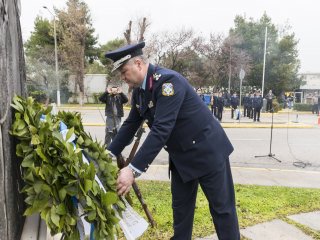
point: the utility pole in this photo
(55, 55)
(264, 60)
(229, 84)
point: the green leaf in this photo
(54, 216)
(61, 209)
(72, 190)
(92, 215)
(62, 194)
(89, 201)
(29, 176)
(70, 220)
(80, 140)
(35, 140)
(109, 198)
(69, 133)
(101, 215)
(87, 185)
(32, 129)
(48, 110)
(17, 106)
(29, 211)
(40, 153)
(37, 187)
(28, 161)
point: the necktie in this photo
(141, 99)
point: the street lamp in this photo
(55, 54)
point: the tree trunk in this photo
(12, 81)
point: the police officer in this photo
(198, 153)
(257, 105)
(246, 105)
(251, 110)
(234, 104)
(220, 105)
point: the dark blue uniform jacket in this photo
(179, 121)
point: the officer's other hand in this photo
(119, 90)
(108, 90)
(124, 181)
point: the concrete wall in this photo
(12, 81)
(93, 83)
(310, 87)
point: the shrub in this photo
(276, 105)
(38, 95)
(96, 97)
(302, 107)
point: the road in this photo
(294, 147)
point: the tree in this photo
(40, 45)
(282, 63)
(230, 60)
(75, 27)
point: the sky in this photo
(110, 18)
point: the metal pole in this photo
(240, 99)
(55, 55)
(264, 60)
(229, 85)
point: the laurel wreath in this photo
(54, 171)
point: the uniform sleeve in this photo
(170, 95)
(127, 131)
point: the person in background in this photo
(180, 123)
(114, 99)
(220, 105)
(257, 105)
(200, 94)
(246, 105)
(269, 98)
(214, 104)
(234, 104)
(315, 104)
(290, 100)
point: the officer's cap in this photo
(123, 54)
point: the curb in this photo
(234, 125)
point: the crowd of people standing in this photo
(252, 104)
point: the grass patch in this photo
(255, 204)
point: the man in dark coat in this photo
(180, 123)
(234, 105)
(114, 99)
(257, 105)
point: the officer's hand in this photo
(119, 90)
(108, 90)
(124, 181)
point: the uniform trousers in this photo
(219, 191)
